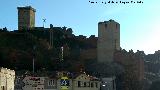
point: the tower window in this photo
(116, 26)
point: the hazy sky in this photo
(140, 23)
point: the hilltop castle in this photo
(100, 48)
(105, 47)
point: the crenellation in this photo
(27, 8)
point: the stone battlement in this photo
(27, 8)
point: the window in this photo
(113, 84)
(85, 84)
(82, 84)
(79, 83)
(92, 84)
(96, 85)
(116, 26)
(3, 88)
(51, 83)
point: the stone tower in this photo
(26, 17)
(108, 40)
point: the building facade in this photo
(108, 40)
(7, 78)
(33, 83)
(78, 82)
(26, 17)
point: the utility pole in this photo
(34, 47)
(62, 53)
(61, 59)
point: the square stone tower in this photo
(26, 17)
(108, 40)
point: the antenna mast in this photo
(44, 21)
(34, 47)
(62, 53)
(61, 59)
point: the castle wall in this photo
(88, 54)
(133, 65)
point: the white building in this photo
(7, 78)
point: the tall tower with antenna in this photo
(26, 17)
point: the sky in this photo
(139, 22)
